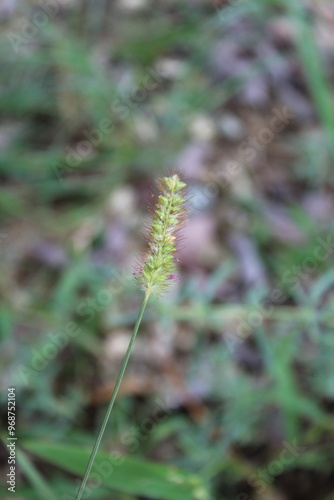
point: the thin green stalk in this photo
(112, 399)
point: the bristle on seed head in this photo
(159, 266)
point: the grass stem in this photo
(112, 400)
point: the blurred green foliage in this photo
(85, 66)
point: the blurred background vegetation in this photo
(230, 390)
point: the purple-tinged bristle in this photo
(173, 277)
(138, 270)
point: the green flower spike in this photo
(159, 266)
(154, 275)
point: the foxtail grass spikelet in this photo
(159, 267)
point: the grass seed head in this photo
(159, 267)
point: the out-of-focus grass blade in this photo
(322, 285)
(129, 475)
(75, 276)
(314, 71)
(40, 486)
(218, 277)
(5, 325)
